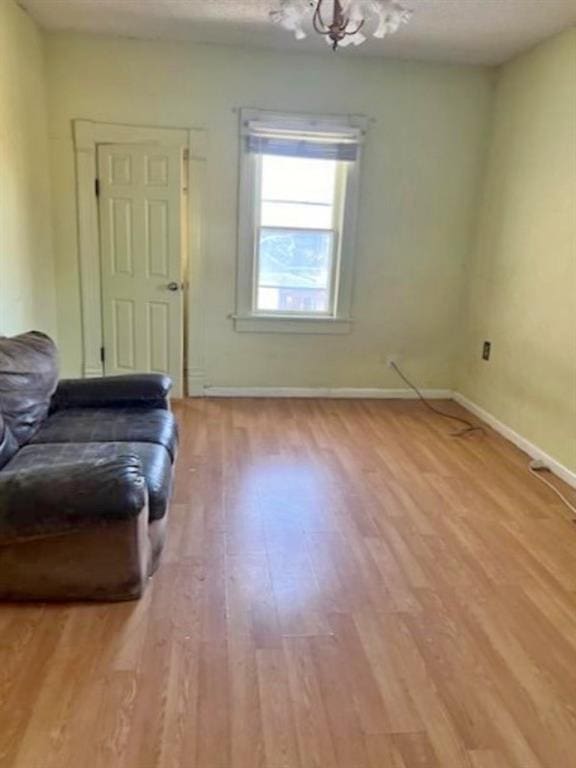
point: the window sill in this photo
(291, 324)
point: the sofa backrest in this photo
(28, 379)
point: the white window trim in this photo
(245, 319)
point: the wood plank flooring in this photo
(344, 586)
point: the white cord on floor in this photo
(537, 473)
(535, 466)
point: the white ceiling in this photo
(472, 31)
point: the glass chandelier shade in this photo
(341, 22)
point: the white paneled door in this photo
(140, 208)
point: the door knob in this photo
(173, 286)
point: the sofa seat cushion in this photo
(156, 463)
(115, 425)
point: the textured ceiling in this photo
(473, 31)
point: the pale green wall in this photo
(426, 285)
(522, 277)
(421, 171)
(26, 266)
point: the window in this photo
(296, 222)
(298, 216)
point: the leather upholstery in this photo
(85, 478)
(8, 444)
(102, 425)
(47, 500)
(156, 465)
(104, 562)
(28, 378)
(143, 389)
(156, 538)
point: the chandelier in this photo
(341, 22)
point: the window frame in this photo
(247, 318)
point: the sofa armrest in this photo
(141, 389)
(53, 500)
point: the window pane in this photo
(294, 269)
(296, 215)
(298, 179)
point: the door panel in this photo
(121, 217)
(157, 239)
(124, 347)
(158, 325)
(140, 208)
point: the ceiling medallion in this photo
(341, 22)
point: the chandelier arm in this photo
(317, 21)
(358, 28)
(319, 30)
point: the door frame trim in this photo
(88, 134)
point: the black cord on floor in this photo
(468, 425)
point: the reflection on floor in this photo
(344, 586)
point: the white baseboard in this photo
(348, 393)
(521, 442)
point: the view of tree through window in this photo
(296, 235)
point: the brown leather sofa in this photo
(86, 471)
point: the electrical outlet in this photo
(486, 350)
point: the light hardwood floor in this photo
(344, 586)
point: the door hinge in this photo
(102, 355)
(97, 187)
